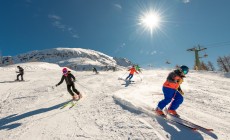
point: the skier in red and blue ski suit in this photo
(172, 91)
(132, 71)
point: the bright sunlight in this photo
(150, 21)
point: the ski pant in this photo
(169, 94)
(130, 77)
(20, 75)
(73, 88)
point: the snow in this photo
(110, 109)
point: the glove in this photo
(180, 81)
(56, 85)
(181, 92)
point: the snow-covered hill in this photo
(123, 62)
(74, 58)
(110, 108)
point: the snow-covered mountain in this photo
(123, 61)
(110, 109)
(74, 58)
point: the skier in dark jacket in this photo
(95, 70)
(21, 73)
(70, 79)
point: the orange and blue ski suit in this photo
(171, 89)
(132, 71)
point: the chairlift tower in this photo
(197, 58)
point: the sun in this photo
(150, 21)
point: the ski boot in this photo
(159, 112)
(75, 98)
(79, 96)
(173, 113)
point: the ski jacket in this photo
(174, 80)
(69, 78)
(94, 70)
(137, 68)
(132, 70)
(21, 70)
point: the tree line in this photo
(223, 64)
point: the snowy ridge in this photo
(123, 61)
(111, 108)
(74, 58)
(32, 66)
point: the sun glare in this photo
(150, 21)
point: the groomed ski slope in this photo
(110, 109)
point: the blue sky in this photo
(113, 27)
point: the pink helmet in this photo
(64, 70)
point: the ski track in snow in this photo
(108, 110)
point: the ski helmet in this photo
(64, 70)
(184, 69)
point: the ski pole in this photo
(119, 78)
(124, 74)
(140, 77)
(84, 87)
(171, 101)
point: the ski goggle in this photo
(185, 71)
(64, 72)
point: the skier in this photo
(95, 70)
(138, 68)
(69, 79)
(172, 91)
(114, 68)
(21, 73)
(132, 70)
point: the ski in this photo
(73, 104)
(23, 80)
(153, 112)
(176, 122)
(182, 124)
(66, 104)
(126, 80)
(178, 119)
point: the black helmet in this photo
(184, 69)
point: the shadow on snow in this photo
(5, 123)
(127, 83)
(176, 131)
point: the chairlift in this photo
(205, 55)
